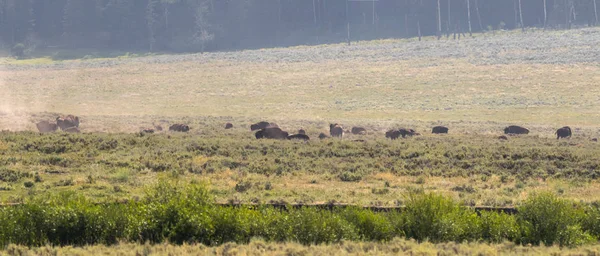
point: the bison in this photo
(514, 129)
(335, 130)
(323, 136)
(302, 131)
(359, 130)
(66, 122)
(502, 137)
(563, 132)
(228, 125)
(407, 132)
(298, 137)
(271, 133)
(595, 139)
(45, 126)
(439, 129)
(179, 128)
(392, 134)
(262, 125)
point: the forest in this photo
(219, 25)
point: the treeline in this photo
(199, 25)
(185, 214)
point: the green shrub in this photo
(437, 218)
(312, 226)
(369, 225)
(9, 175)
(28, 184)
(350, 176)
(497, 227)
(544, 218)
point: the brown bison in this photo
(302, 131)
(271, 133)
(563, 132)
(595, 139)
(407, 132)
(228, 125)
(335, 130)
(359, 131)
(66, 122)
(45, 126)
(394, 134)
(439, 129)
(514, 129)
(502, 137)
(262, 125)
(179, 128)
(323, 136)
(298, 137)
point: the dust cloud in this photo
(15, 112)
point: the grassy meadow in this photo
(475, 86)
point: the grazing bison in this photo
(439, 129)
(563, 132)
(407, 132)
(595, 139)
(298, 137)
(179, 128)
(45, 126)
(392, 134)
(335, 130)
(271, 133)
(302, 131)
(262, 125)
(502, 137)
(228, 125)
(514, 129)
(359, 130)
(66, 122)
(323, 136)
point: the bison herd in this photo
(268, 130)
(67, 123)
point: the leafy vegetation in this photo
(176, 213)
(481, 169)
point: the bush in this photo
(312, 226)
(497, 227)
(350, 177)
(437, 218)
(544, 218)
(369, 225)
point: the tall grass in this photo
(176, 213)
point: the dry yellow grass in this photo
(258, 247)
(419, 90)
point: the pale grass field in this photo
(445, 91)
(258, 247)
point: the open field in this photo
(475, 86)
